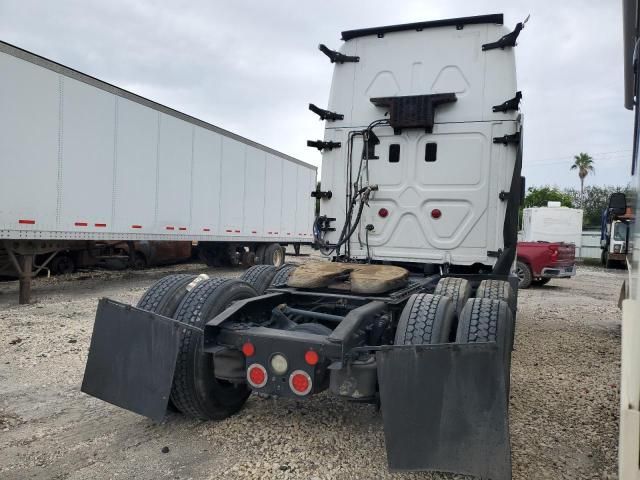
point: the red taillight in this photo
(300, 382)
(248, 349)
(553, 254)
(257, 375)
(436, 213)
(383, 212)
(311, 357)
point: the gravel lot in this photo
(563, 406)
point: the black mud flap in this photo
(444, 408)
(132, 358)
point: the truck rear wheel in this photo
(273, 255)
(488, 320)
(282, 275)
(498, 290)
(524, 275)
(425, 319)
(259, 277)
(457, 289)
(164, 296)
(195, 391)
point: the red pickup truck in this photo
(539, 262)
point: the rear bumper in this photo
(558, 272)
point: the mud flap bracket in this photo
(132, 358)
(444, 408)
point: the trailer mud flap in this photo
(444, 408)
(132, 358)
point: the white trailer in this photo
(552, 224)
(82, 159)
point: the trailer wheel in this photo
(62, 264)
(139, 261)
(282, 275)
(273, 255)
(524, 275)
(260, 254)
(457, 289)
(248, 258)
(498, 290)
(488, 320)
(195, 391)
(425, 319)
(259, 277)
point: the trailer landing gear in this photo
(21, 260)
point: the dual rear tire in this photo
(195, 391)
(262, 277)
(450, 315)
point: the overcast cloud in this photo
(253, 66)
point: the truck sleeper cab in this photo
(415, 307)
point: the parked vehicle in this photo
(83, 160)
(615, 236)
(539, 262)
(416, 309)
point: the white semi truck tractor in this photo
(621, 205)
(414, 306)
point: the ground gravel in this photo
(564, 398)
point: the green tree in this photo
(593, 200)
(539, 196)
(584, 164)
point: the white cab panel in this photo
(436, 60)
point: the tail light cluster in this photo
(300, 382)
(553, 253)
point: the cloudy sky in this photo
(253, 66)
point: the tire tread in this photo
(421, 319)
(190, 312)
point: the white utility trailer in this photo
(84, 160)
(552, 224)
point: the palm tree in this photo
(584, 164)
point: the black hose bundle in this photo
(355, 194)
